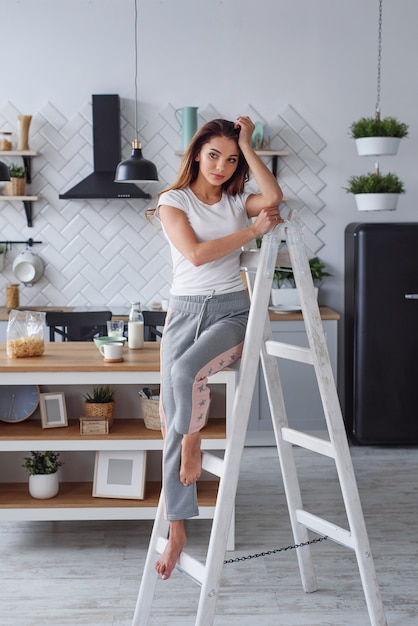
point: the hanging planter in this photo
(375, 136)
(377, 146)
(376, 201)
(374, 192)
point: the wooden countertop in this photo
(326, 313)
(82, 356)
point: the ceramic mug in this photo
(187, 118)
(112, 351)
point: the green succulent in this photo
(17, 171)
(100, 395)
(375, 183)
(372, 127)
(42, 463)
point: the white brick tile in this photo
(312, 139)
(314, 162)
(292, 117)
(292, 139)
(310, 220)
(310, 179)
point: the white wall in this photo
(318, 56)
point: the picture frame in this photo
(53, 409)
(120, 474)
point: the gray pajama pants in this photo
(202, 335)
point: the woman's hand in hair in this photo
(246, 129)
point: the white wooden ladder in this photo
(259, 340)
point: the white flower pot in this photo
(375, 146)
(43, 486)
(376, 201)
(287, 297)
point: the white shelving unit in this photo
(81, 364)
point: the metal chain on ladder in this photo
(269, 552)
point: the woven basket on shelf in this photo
(150, 411)
(151, 414)
(104, 409)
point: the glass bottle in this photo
(135, 327)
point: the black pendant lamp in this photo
(4, 171)
(136, 169)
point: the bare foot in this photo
(191, 459)
(176, 542)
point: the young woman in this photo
(205, 217)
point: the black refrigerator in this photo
(381, 333)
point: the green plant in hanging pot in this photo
(42, 468)
(375, 136)
(374, 192)
(100, 403)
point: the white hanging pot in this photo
(375, 146)
(28, 268)
(376, 201)
(43, 486)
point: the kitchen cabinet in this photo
(80, 363)
(26, 156)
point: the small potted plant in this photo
(284, 290)
(42, 468)
(17, 184)
(374, 192)
(100, 403)
(375, 136)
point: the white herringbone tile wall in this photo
(104, 252)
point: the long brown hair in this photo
(189, 168)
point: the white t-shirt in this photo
(209, 221)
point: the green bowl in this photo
(99, 341)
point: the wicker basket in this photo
(150, 411)
(104, 409)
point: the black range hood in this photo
(106, 155)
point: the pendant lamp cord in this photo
(136, 69)
(379, 61)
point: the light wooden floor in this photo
(88, 573)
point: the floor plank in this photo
(88, 573)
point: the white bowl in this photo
(28, 267)
(99, 341)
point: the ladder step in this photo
(323, 527)
(186, 564)
(212, 464)
(289, 351)
(315, 444)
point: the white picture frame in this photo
(53, 409)
(120, 474)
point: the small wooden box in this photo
(97, 425)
